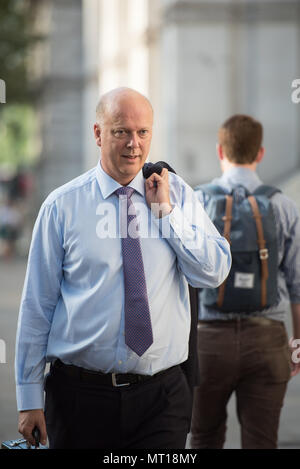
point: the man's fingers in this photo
(27, 434)
(164, 174)
(43, 433)
(28, 420)
(295, 370)
(153, 181)
(156, 179)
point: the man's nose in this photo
(133, 141)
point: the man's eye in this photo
(119, 133)
(143, 132)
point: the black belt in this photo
(108, 379)
(259, 320)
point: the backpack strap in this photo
(268, 191)
(211, 189)
(214, 189)
(263, 251)
(226, 233)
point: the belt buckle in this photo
(114, 381)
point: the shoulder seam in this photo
(72, 189)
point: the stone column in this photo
(61, 92)
(226, 57)
(91, 54)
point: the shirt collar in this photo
(237, 175)
(108, 185)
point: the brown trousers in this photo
(251, 358)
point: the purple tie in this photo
(138, 329)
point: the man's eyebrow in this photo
(122, 127)
(119, 127)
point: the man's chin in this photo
(131, 165)
(129, 171)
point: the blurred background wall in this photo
(198, 62)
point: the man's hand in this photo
(158, 194)
(28, 419)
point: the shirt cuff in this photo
(30, 396)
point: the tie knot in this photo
(128, 191)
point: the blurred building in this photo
(57, 71)
(227, 57)
(198, 62)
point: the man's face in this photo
(124, 136)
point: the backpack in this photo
(247, 221)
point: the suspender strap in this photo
(263, 251)
(227, 227)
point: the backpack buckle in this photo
(263, 254)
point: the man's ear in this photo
(260, 154)
(97, 134)
(219, 151)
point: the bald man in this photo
(105, 298)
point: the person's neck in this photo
(226, 165)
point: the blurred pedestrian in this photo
(10, 227)
(242, 341)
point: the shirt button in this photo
(120, 362)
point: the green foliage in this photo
(16, 39)
(18, 143)
(17, 118)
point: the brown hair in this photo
(241, 137)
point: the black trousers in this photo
(149, 415)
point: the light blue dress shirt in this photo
(288, 241)
(72, 305)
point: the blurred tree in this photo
(16, 39)
(18, 142)
(17, 117)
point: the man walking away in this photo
(242, 341)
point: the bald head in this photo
(111, 101)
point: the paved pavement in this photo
(11, 282)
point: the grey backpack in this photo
(247, 221)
